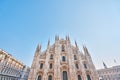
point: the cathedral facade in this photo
(62, 61)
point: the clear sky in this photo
(96, 23)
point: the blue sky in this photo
(96, 23)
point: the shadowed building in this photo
(11, 68)
(62, 61)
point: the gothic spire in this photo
(56, 37)
(38, 49)
(68, 38)
(76, 44)
(104, 65)
(86, 50)
(48, 43)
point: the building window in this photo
(5, 57)
(88, 77)
(39, 78)
(50, 65)
(79, 77)
(75, 58)
(49, 77)
(41, 65)
(63, 48)
(51, 56)
(63, 58)
(77, 66)
(65, 75)
(85, 66)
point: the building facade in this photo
(112, 73)
(62, 61)
(10, 68)
(25, 73)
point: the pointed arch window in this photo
(63, 48)
(79, 77)
(77, 66)
(39, 78)
(41, 65)
(88, 77)
(50, 65)
(85, 66)
(75, 58)
(51, 56)
(63, 58)
(65, 75)
(49, 77)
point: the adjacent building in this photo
(62, 61)
(112, 73)
(25, 73)
(11, 68)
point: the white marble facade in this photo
(62, 61)
(112, 73)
